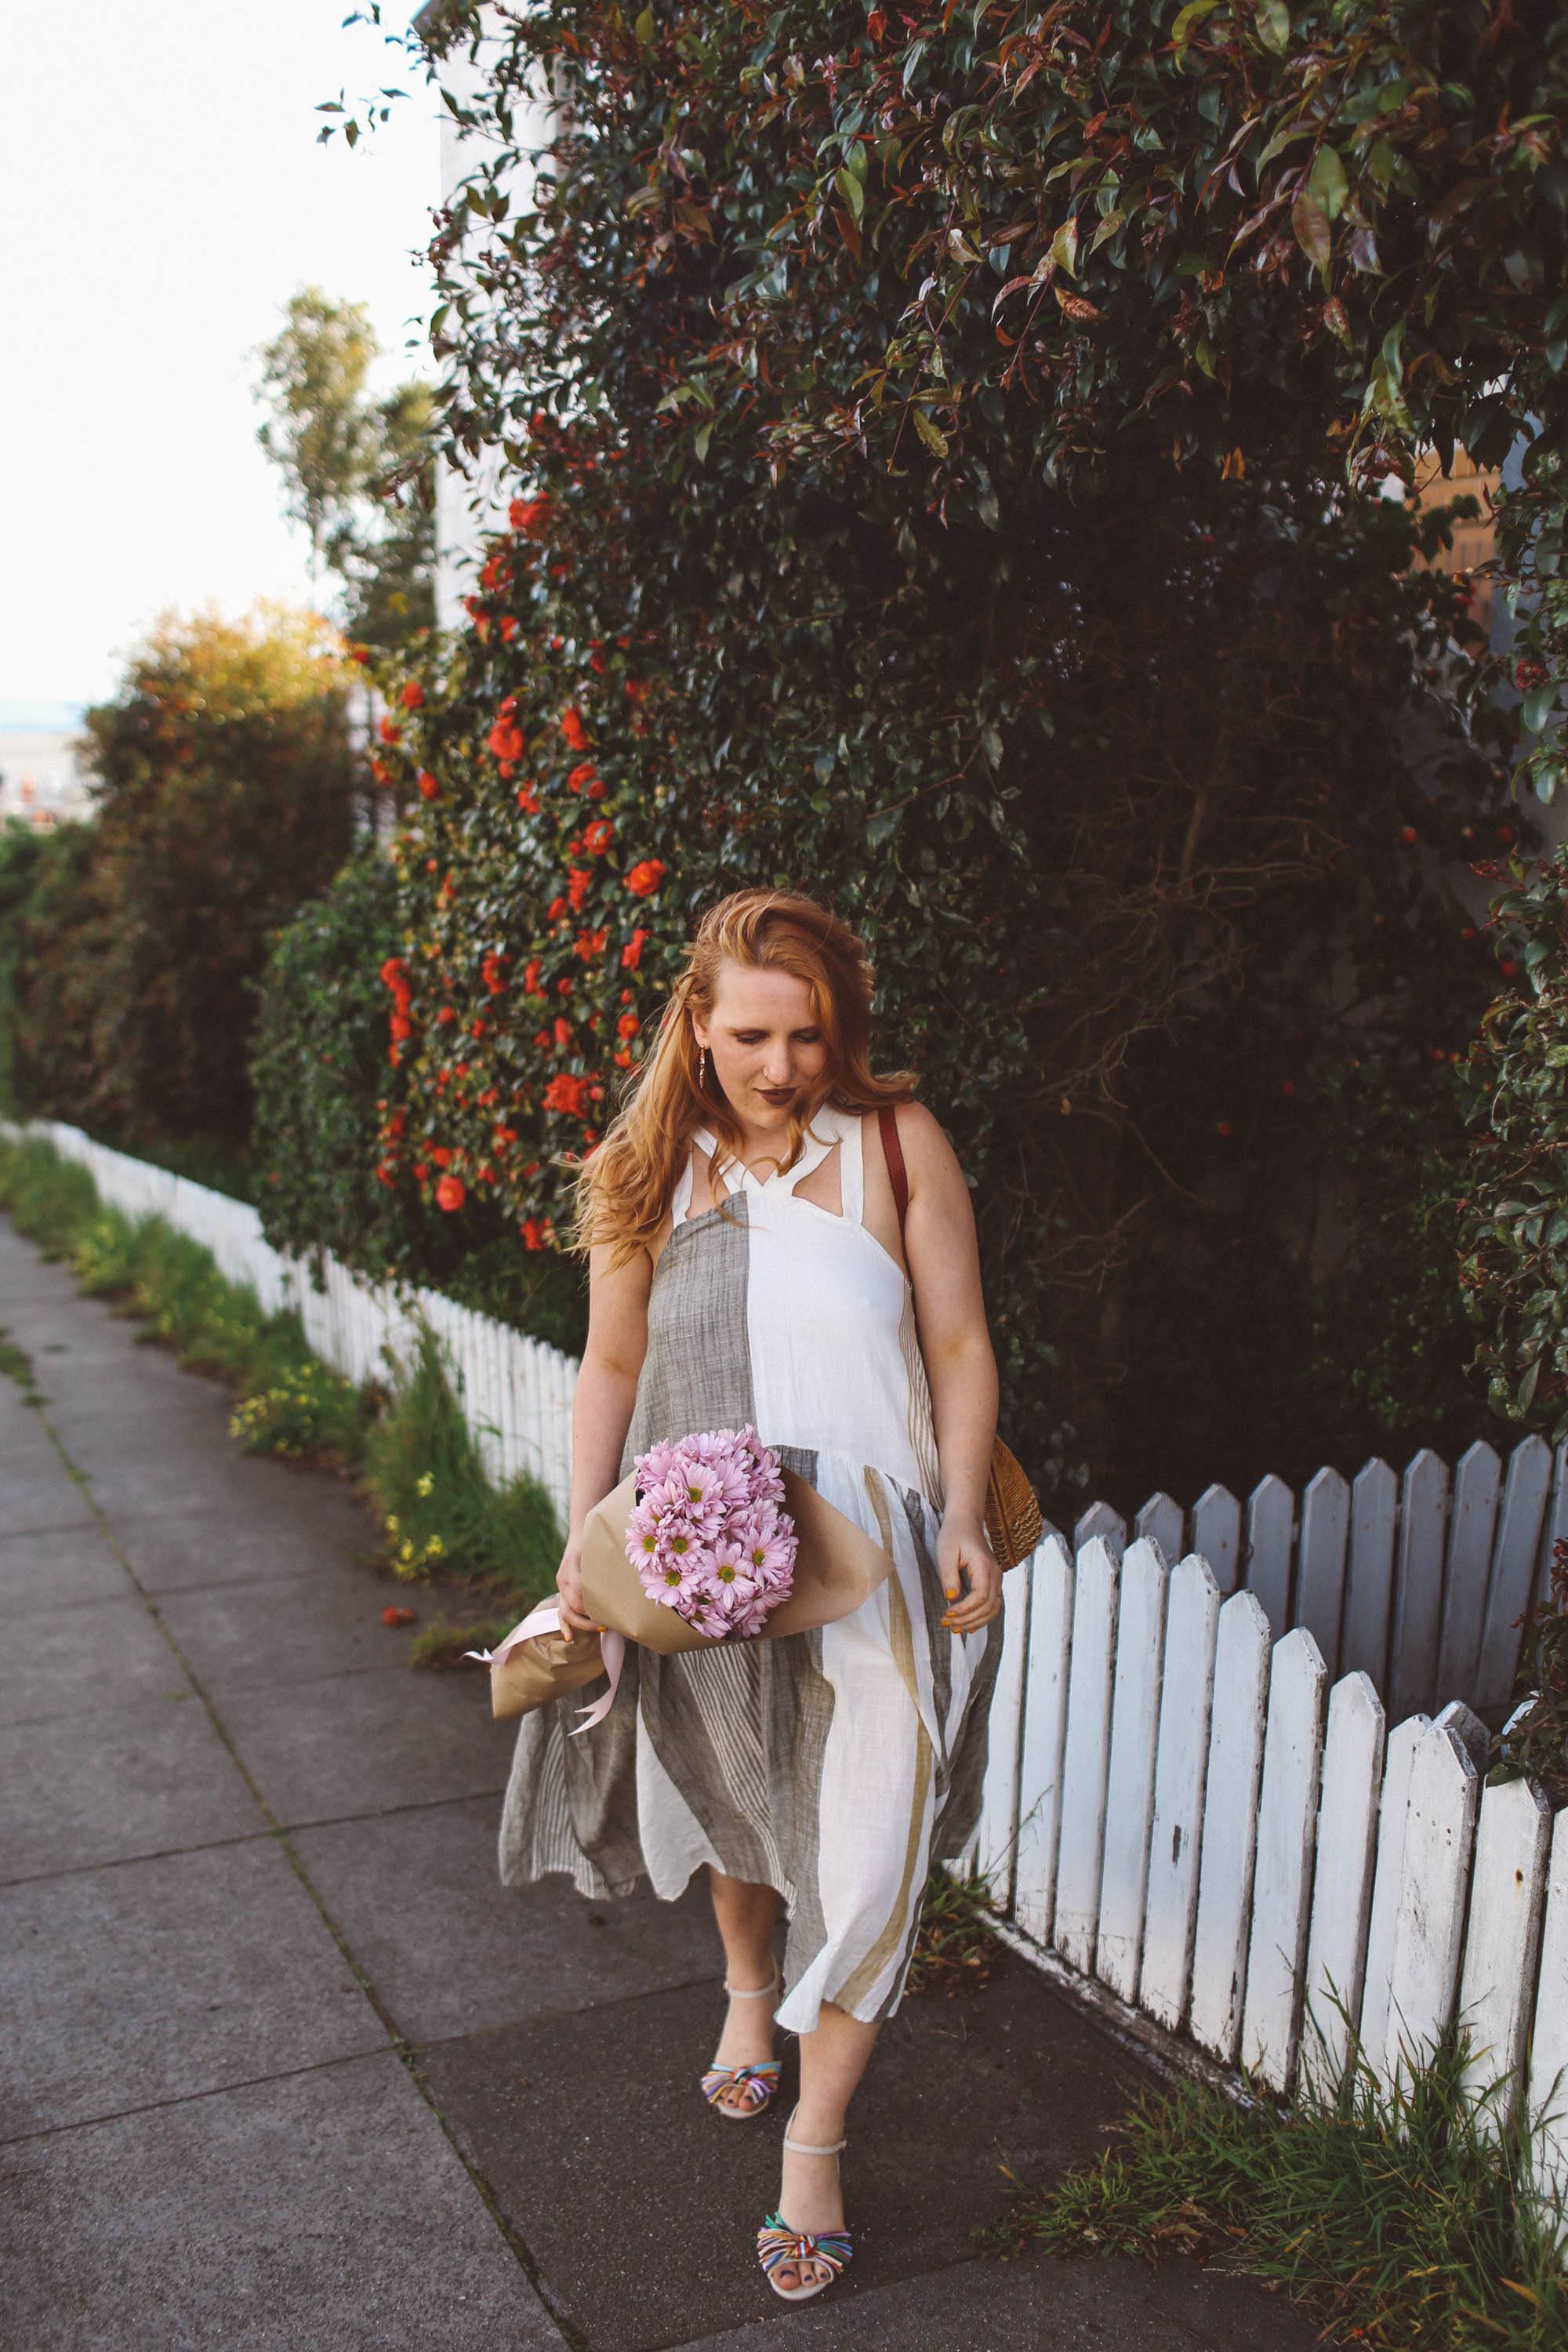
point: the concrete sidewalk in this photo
(284, 2068)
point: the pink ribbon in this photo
(547, 1619)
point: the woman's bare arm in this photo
(602, 1407)
(944, 1258)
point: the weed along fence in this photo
(1196, 1811)
(516, 1393)
(1180, 1809)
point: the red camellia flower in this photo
(581, 774)
(390, 731)
(412, 694)
(644, 876)
(393, 1615)
(446, 1017)
(527, 514)
(427, 784)
(505, 740)
(450, 1192)
(442, 1156)
(1409, 835)
(396, 975)
(563, 1030)
(557, 907)
(531, 976)
(577, 881)
(528, 801)
(532, 1233)
(637, 689)
(566, 1091)
(590, 944)
(628, 1025)
(492, 974)
(400, 1026)
(597, 837)
(631, 954)
(541, 1038)
(572, 727)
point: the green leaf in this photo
(853, 192)
(878, 827)
(1539, 704)
(1064, 249)
(932, 434)
(1327, 181)
(643, 28)
(1274, 26)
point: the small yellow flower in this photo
(424, 1482)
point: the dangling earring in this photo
(702, 1069)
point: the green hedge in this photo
(1114, 762)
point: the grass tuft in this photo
(1406, 2217)
(955, 1947)
(440, 1512)
(440, 1644)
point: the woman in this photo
(745, 1265)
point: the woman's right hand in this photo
(574, 1618)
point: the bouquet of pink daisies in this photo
(708, 1535)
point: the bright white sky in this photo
(162, 196)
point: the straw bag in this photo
(1013, 1522)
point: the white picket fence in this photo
(516, 1393)
(1180, 1812)
(1417, 1579)
(1181, 1809)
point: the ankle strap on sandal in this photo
(752, 1992)
(804, 2147)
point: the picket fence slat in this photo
(1508, 1890)
(1161, 1520)
(1287, 1831)
(1549, 2038)
(1388, 1877)
(1428, 1927)
(1045, 1735)
(1321, 1577)
(1341, 1883)
(1129, 1780)
(1086, 1757)
(1271, 1516)
(1181, 1761)
(1419, 1593)
(1216, 1535)
(997, 1837)
(1230, 1824)
(1100, 1520)
(1512, 1572)
(1471, 1522)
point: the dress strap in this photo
(852, 1166)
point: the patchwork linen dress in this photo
(833, 1765)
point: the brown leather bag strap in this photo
(893, 1151)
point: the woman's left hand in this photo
(970, 1578)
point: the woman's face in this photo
(763, 1045)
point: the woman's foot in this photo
(747, 2041)
(811, 2198)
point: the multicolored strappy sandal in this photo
(757, 2085)
(779, 2246)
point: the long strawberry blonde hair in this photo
(623, 1189)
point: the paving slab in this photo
(155, 1981)
(59, 1569)
(174, 1551)
(324, 2213)
(1035, 2304)
(38, 1501)
(957, 2091)
(459, 1953)
(278, 1630)
(112, 1783)
(70, 1662)
(366, 1743)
